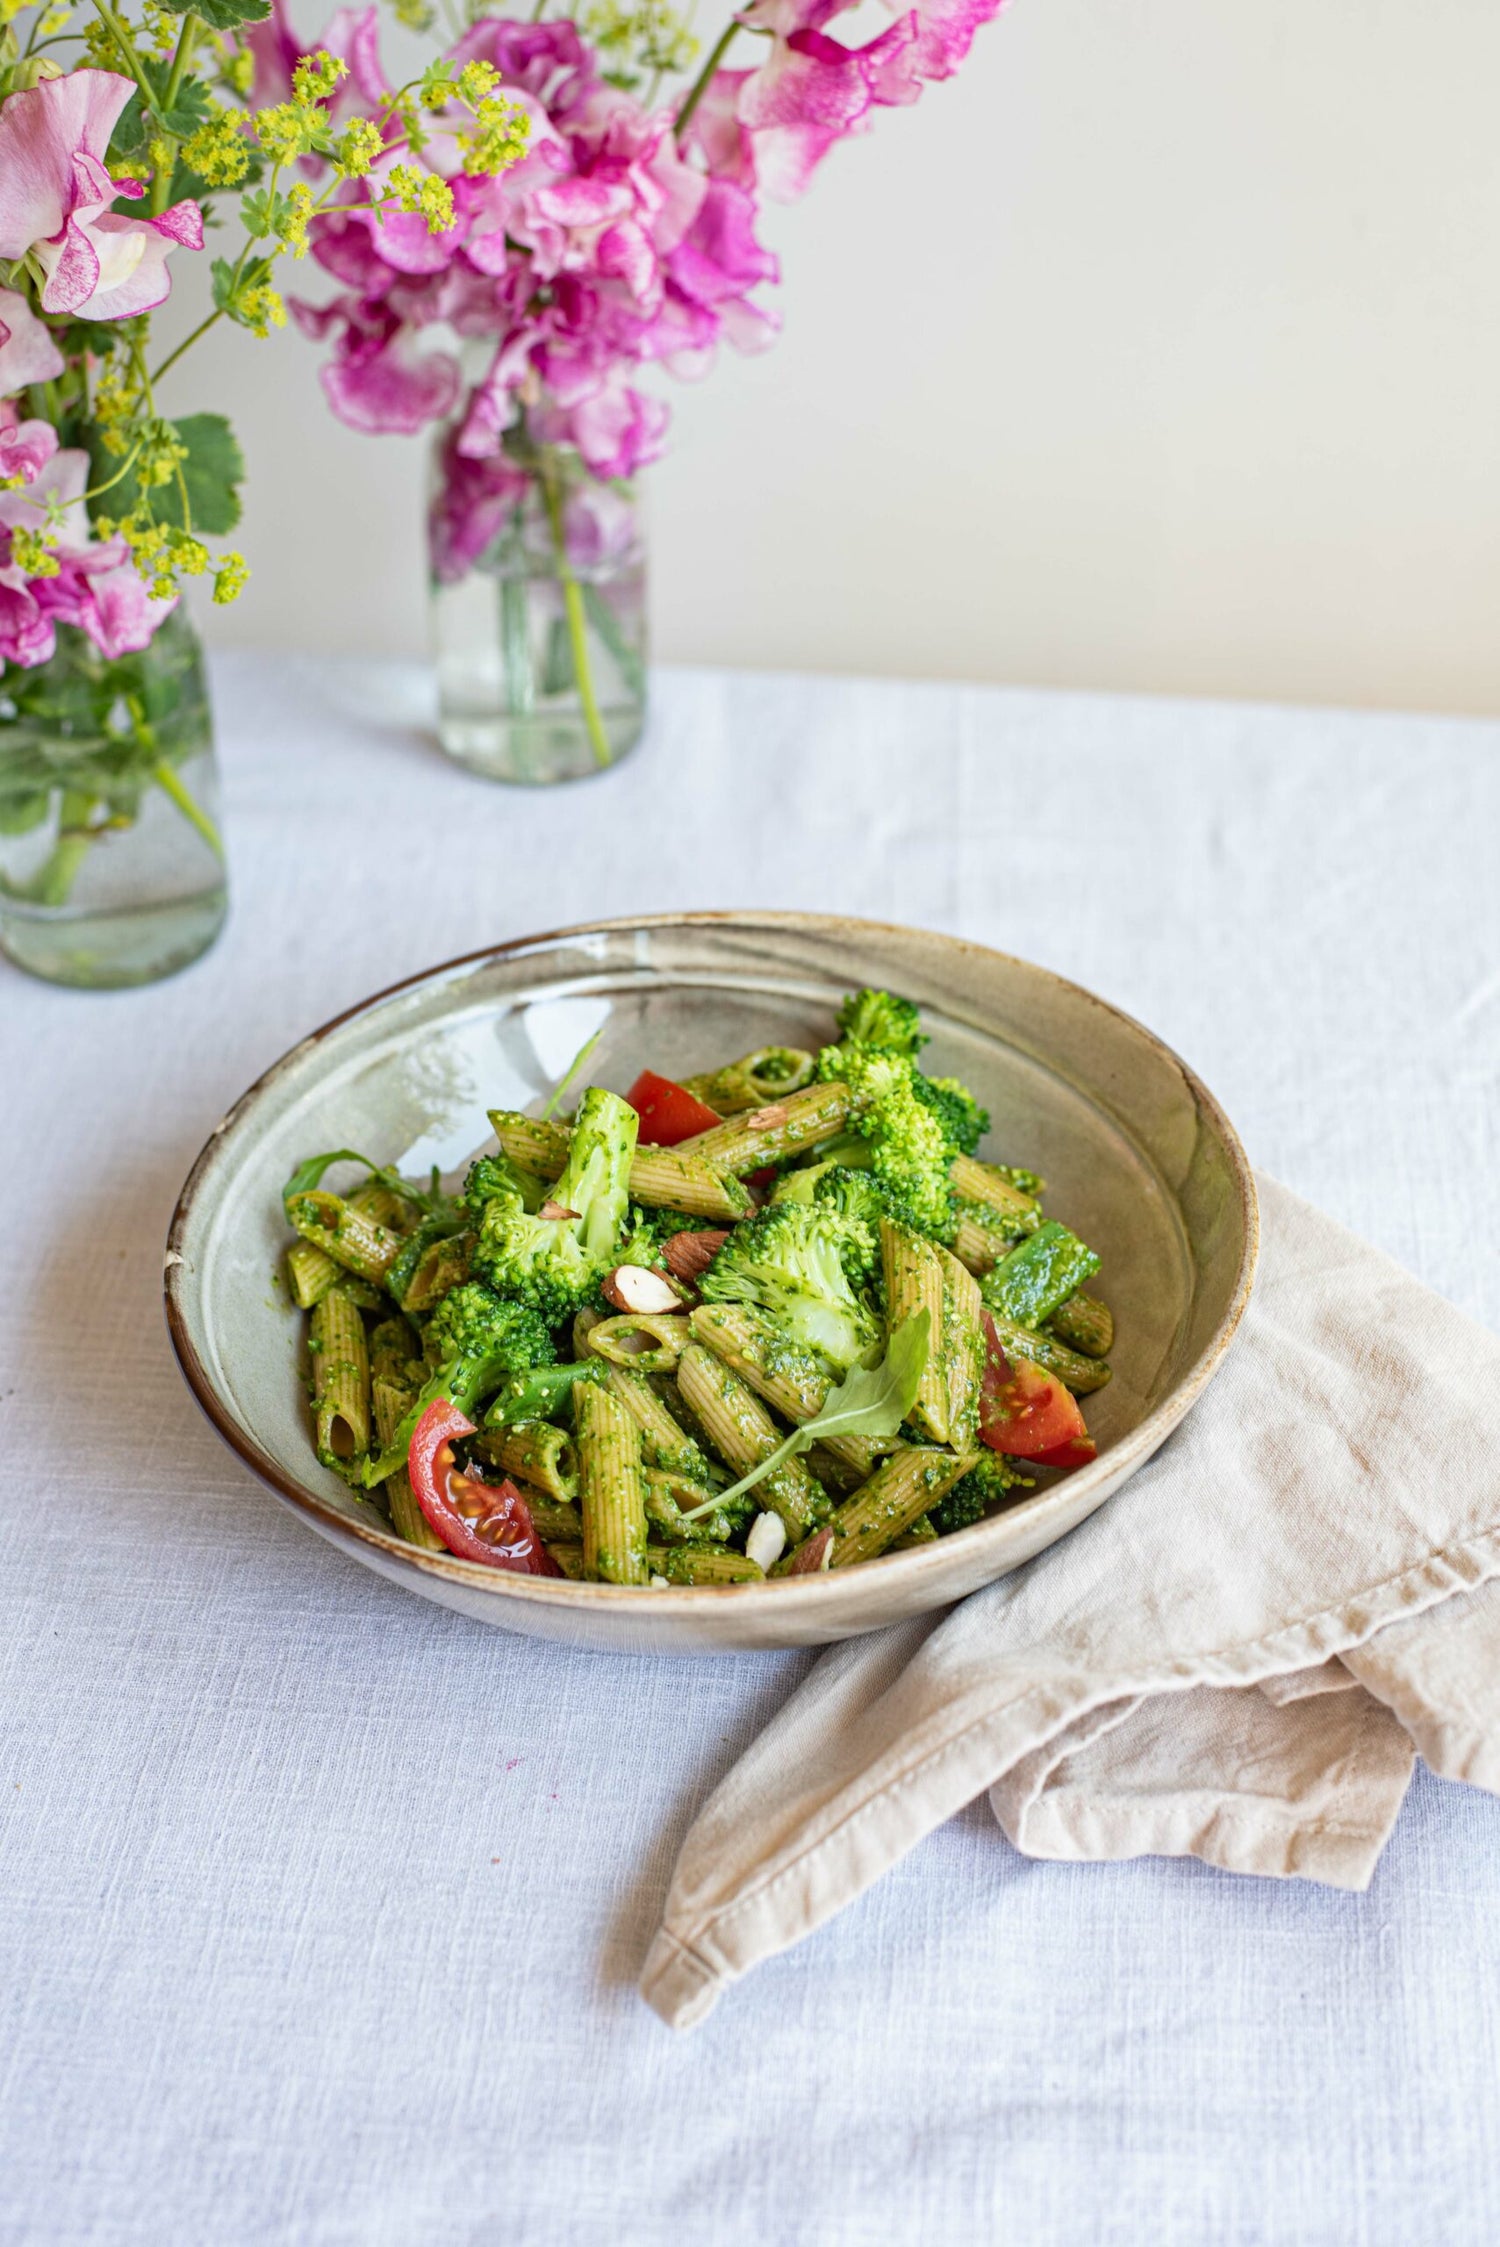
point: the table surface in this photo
(323, 1908)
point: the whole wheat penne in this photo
(535, 1452)
(611, 1491)
(1076, 1372)
(647, 1341)
(963, 1349)
(913, 1284)
(554, 1520)
(1085, 1324)
(390, 1399)
(345, 1234)
(660, 1177)
(975, 1181)
(901, 1489)
(743, 1433)
(770, 1073)
(341, 1379)
(702, 1564)
(772, 1134)
(788, 1378)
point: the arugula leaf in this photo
(869, 1401)
(570, 1073)
(308, 1176)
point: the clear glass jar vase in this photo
(111, 866)
(538, 578)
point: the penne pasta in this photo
(773, 1134)
(743, 1433)
(611, 1489)
(345, 1234)
(661, 1177)
(901, 1489)
(914, 1283)
(341, 1380)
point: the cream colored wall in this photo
(1159, 350)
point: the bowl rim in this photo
(823, 1589)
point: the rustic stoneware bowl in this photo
(1137, 1154)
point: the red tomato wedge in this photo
(487, 1522)
(1027, 1413)
(1076, 1452)
(668, 1112)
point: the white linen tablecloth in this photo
(321, 1910)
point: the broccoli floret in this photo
(963, 1120)
(495, 1176)
(555, 1263)
(789, 1262)
(646, 1232)
(858, 1197)
(988, 1482)
(473, 1342)
(876, 1018)
(910, 1151)
(473, 1322)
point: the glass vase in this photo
(538, 577)
(111, 866)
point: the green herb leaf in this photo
(870, 1401)
(212, 473)
(571, 1071)
(309, 1175)
(221, 15)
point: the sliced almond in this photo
(554, 1211)
(766, 1542)
(814, 1554)
(631, 1287)
(688, 1255)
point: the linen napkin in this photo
(1237, 1658)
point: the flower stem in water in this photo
(577, 628)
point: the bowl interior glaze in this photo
(1137, 1155)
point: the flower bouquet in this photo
(623, 238)
(111, 163)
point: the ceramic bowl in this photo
(1137, 1154)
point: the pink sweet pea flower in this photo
(97, 587)
(469, 510)
(25, 446)
(376, 380)
(812, 90)
(55, 195)
(27, 351)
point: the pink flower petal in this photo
(393, 392)
(27, 351)
(53, 139)
(71, 265)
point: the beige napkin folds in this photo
(1237, 1658)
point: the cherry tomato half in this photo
(1027, 1413)
(487, 1522)
(669, 1113)
(1076, 1452)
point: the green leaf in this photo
(571, 1071)
(870, 1401)
(190, 109)
(221, 15)
(308, 1176)
(212, 473)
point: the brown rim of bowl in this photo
(1132, 1448)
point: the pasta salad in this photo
(776, 1318)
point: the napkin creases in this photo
(1237, 1658)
